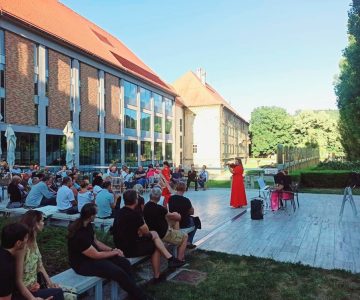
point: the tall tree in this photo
(347, 87)
(269, 126)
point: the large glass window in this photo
(131, 152)
(158, 151)
(145, 152)
(145, 96)
(158, 124)
(55, 150)
(145, 122)
(46, 72)
(168, 151)
(168, 124)
(27, 148)
(157, 103)
(112, 151)
(2, 43)
(168, 107)
(89, 151)
(130, 91)
(130, 118)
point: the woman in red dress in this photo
(238, 196)
(165, 172)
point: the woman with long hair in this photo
(238, 195)
(32, 280)
(90, 257)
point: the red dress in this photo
(165, 192)
(238, 196)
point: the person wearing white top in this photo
(65, 199)
(84, 196)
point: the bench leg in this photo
(99, 291)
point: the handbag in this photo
(197, 222)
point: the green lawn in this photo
(231, 277)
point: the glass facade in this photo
(145, 122)
(130, 118)
(158, 157)
(2, 43)
(168, 107)
(131, 153)
(112, 151)
(89, 151)
(55, 150)
(27, 149)
(145, 153)
(168, 152)
(168, 124)
(157, 103)
(130, 92)
(145, 96)
(158, 124)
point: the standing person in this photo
(166, 173)
(90, 257)
(29, 266)
(13, 240)
(238, 195)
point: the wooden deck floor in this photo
(312, 235)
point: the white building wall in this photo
(206, 136)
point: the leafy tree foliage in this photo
(347, 87)
(269, 126)
(317, 128)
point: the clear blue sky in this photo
(255, 53)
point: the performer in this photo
(166, 173)
(238, 196)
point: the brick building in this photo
(55, 67)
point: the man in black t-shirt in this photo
(132, 235)
(182, 205)
(13, 239)
(192, 177)
(164, 223)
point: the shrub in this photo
(324, 179)
(339, 165)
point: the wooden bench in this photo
(47, 211)
(77, 284)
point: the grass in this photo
(218, 184)
(231, 277)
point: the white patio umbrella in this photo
(70, 152)
(11, 145)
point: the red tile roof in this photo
(194, 93)
(62, 23)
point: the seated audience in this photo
(29, 266)
(63, 172)
(140, 176)
(203, 177)
(25, 182)
(90, 257)
(97, 184)
(150, 175)
(192, 177)
(84, 196)
(113, 171)
(16, 170)
(141, 201)
(65, 198)
(40, 195)
(105, 201)
(128, 177)
(132, 236)
(182, 205)
(164, 223)
(16, 190)
(13, 240)
(176, 176)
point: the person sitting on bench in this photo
(90, 257)
(132, 236)
(40, 195)
(203, 177)
(192, 177)
(65, 198)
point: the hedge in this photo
(323, 179)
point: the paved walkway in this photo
(313, 235)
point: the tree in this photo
(317, 128)
(269, 126)
(347, 87)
